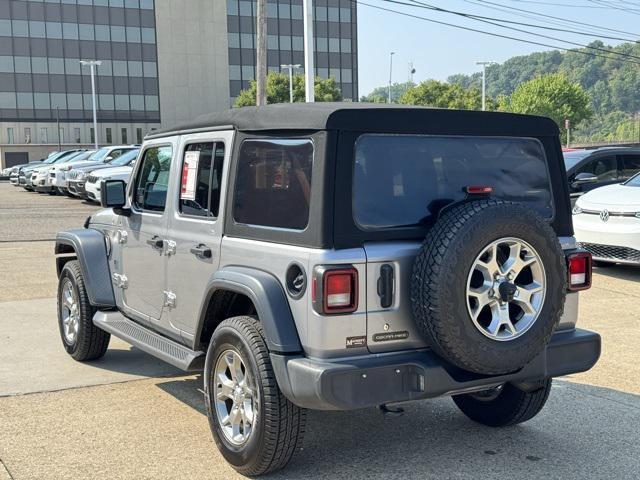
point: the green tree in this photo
(552, 96)
(326, 90)
(381, 94)
(433, 93)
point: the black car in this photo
(589, 169)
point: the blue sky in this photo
(438, 51)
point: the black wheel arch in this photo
(88, 246)
(267, 300)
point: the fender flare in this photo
(89, 247)
(269, 299)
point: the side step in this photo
(171, 352)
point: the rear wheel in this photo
(255, 427)
(80, 337)
(504, 405)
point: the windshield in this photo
(633, 181)
(404, 180)
(125, 159)
(83, 156)
(99, 155)
(571, 159)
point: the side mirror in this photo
(583, 178)
(113, 194)
(108, 159)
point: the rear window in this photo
(403, 180)
(273, 185)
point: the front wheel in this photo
(504, 405)
(80, 337)
(255, 427)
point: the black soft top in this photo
(372, 117)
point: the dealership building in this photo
(162, 62)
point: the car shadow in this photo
(583, 432)
(133, 361)
(620, 272)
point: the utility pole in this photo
(290, 67)
(390, 74)
(484, 83)
(261, 53)
(93, 64)
(567, 126)
(309, 69)
(58, 127)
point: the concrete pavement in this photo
(129, 416)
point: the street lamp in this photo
(309, 69)
(93, 64)
(290, 67)
(390, 72)
(484, 82)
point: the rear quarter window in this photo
(404, 180)
(273, 184)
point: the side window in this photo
(273, 184)
(605, 168)
(201, 179)
(115, 153)
(631, 165)
(153, 179)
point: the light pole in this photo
(484, 82)
(261, 53)
(309, 69)
(93, 64)
(290, 67)
(390, 73)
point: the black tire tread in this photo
(94, 342)
(428, 267)
(284, 423)
(518, 407)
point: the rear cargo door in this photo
(390, 323)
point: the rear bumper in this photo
(377, 379)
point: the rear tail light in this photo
(335, 290)
(579, 270)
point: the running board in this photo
(148, 341)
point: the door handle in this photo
(201, 251)
(156, 242)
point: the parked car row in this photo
(76, 173)
(604, 185)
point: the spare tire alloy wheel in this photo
(506, 289)
(488, 286)
(234, 397)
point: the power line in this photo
(555, 18)
(418, 4)
(492, 34)
(604, 4)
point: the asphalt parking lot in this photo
(129, 416)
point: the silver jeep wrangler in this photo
(337, 256)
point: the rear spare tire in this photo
(488, 286)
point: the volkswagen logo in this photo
(604, 215)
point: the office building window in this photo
(138, 136)
(123, 132)
(92, 134)
(10, 138)
(27, 135)
(61, 138)
(76, 135)
(109, 139)
(44, 135)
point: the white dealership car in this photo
(94, 179)
(607, 222)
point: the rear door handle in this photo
(156, 242)
(201, 251)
